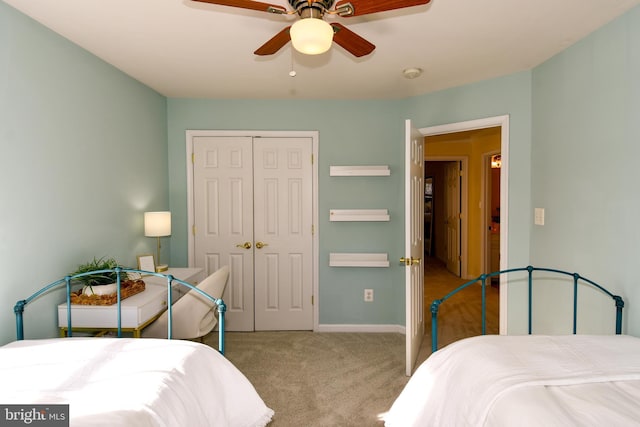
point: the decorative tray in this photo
(127, 289)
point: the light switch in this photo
(538, 218)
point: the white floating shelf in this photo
(359, 215)
(359, 171)
(358, 260)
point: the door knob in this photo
(261, 245)
(246, 245)
(410, 261)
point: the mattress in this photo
(526, 381)
(130, 382)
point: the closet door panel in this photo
(283, 233)
(223, 220)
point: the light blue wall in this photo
(351, 132)
(82, 155)
(585, 151)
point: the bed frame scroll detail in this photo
(435, 305)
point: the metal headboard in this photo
(66, 281)
(619, 303)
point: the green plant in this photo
(104, 278)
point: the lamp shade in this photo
(157, 224)
(311, 36)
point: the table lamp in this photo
(158, 224)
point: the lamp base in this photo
(161, 268)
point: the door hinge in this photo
(311, 299)
(193, 230)
(313, 230)
(312, 159)
(193, 158)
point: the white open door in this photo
(452, 197)
(414, 247)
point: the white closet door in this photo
(253, 201)
(283, 233)
(223, 218)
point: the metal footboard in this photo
(66, 282)
(435, 306)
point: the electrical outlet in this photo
(368, 295)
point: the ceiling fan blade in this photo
(363, 7)
(275, 43)
(350, 41)
(248, 4)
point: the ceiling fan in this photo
(311, 34)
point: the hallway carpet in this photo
(459, 316)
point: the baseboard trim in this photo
(362, 328)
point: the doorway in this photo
(253, 206)
(469, 140)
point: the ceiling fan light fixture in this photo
(311, 36)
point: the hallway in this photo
(460, 316)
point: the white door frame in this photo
(314, 135)
(503, 122)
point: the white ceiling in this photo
(188, 49)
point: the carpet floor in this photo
(349, 379)
(321, 379)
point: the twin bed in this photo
(128, 381)
(537, 380)
(526, 380)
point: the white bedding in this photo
(528, 380)
(131, 382)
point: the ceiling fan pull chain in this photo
(292, 72)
